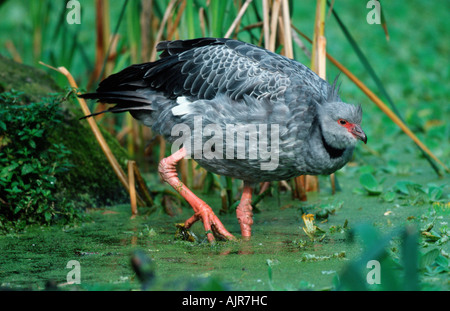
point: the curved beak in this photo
(359, 133)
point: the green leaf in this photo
(428, 258)
(389, 196)
(14, 190)
(17, 209)
(434, 194)
(7, 170)
(358, 190)
(27, 168)
(2, 126)
(371, 185)
(405, 186)
(48, 216)
(366, 169)
(442, 262)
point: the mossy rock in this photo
(34, 83)
(91, 182)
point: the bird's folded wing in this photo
(203, 68)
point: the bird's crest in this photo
(333, 90)
(359, 113)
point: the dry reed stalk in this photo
(9, 45)
(169, 23)
(112, 53)
(132, 185)
(37, 42)
(159, 34)
(108, 39)
(321, 71)
(132, 134)
(174, 26)
(142, 185)
(261, 37)
(321, 57)
(162, 147)
(333, 183)
(183, 171)
(124, 131)
(302, 189)
(201, 17)
(266, 26)
(283, 183)
(273, 24)
(299, 188)
(238, 18)
(100, 49)
(145, 23)
(289, 52)
(319, 31)
(318, 61)
(224, 201)
(264, 186)
(251, 26)
(199, 178)
(281, 35)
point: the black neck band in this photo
(332, 152)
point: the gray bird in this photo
(239, 110)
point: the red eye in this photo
(342, 122)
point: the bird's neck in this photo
(332, 151)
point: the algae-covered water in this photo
(280, 256)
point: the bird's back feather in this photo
(203, 68)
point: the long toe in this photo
(213, 226)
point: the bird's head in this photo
(341, 124)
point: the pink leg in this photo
(244, 212)
(212, 224)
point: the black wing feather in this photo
(202, 68)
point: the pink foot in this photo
(213, 226)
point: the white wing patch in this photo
(184, 106)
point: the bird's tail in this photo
(123, 100)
